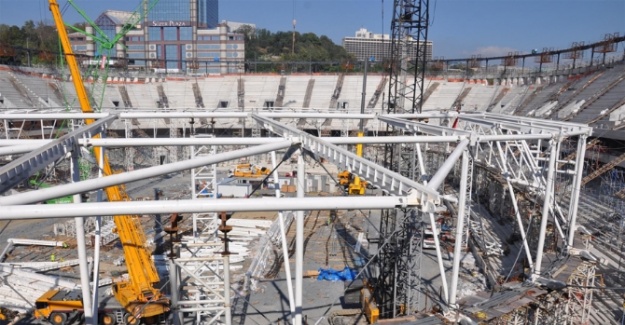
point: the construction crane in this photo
(397, 286)
(138, 296)
(99, 71)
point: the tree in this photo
(267, 51)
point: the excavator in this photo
(138, 298)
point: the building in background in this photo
(366, 45)
(175, 36)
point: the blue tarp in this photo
(346, 274)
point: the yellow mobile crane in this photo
(138, 296)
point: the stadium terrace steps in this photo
(444, 96)
(180, 94)
(322, 92)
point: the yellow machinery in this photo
(352, 183)
(249, 170)
(138, 296)
(371, 311)
(56, 305)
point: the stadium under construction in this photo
(426, 195)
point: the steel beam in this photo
(526, 125)
(421, 127)
(14, 146)
(40, 211)
(442, 172)
(153, 114)
(116, 179)
(389, 181)
(27, 165)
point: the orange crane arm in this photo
(141, 270)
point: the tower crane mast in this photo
(398, 285)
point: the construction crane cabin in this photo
(136, 298)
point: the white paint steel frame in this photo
(484, 128)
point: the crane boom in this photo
(138, 295)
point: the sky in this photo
(458, 28)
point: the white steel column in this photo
(299, 241)
(174, 288)
(227, 302)
(546, 204)
(82, 248)
(579, 170)
(421, 162)
(96, 244)
(462, 198)
(439, 255)
(283, 240)
(442, 172)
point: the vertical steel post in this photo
(227, 302)
(82, 247)
(361, 125)
(577, 181)
(283, 240)
(98, 240)
(439, 255)
(173, 285)
(546, 204)
(299, 241)
(462, 197)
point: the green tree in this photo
(267, 51)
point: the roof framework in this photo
(523, 152)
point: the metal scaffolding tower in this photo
(398, 285)
(409, 27)
(204, 186)
(581, 284)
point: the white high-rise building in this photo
(367, 45)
